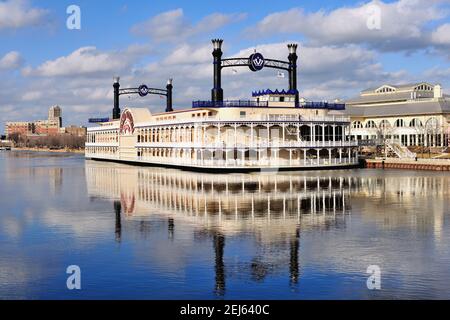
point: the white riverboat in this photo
(274, 130)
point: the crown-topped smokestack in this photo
(292, 47)
(217, 91)
(217, 43)
(169, 88)
(293, 70)
(116, 110)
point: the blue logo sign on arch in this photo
(256, 62)
(143, 90)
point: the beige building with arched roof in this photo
(412, 114)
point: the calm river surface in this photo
(150, 233)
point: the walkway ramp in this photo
(400, 150)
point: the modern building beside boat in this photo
(416, 114)
(273, 130)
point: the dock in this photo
(409, 164)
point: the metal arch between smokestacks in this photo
(219, 64)
(243, 62)
(129, 91)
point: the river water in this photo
(153, 233)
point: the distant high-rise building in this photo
(55, 113)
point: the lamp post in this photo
(169, 88)
(116, 110)
(217, 91)
(293, 70)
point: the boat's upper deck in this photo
(273, 107)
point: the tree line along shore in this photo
(54, 143)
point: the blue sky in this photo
(42, 63)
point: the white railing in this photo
(101, 144)
(256, 119)
(301, 118)
(254, 145)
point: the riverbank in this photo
(420, 164)
(65, 150)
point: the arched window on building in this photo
(385, 124)
(385, 89)
(371, 124)
(416, 123)
(432, 123)
(423, 87)
(357, 125)
(399, 123)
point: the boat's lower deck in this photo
(237, 166)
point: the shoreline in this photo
(76, 151)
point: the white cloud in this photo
(32, 95)
(16, 14)
(325, 72)
(441, 36)
(174, 26)
(321, 61)
(403, 24)
(88, 61)
(11, 60)
(187, 53)
(216, 21)
(438, 74)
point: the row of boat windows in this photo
(189, 134)
(103, 150)
(246, 154)
(165, 118)
(111, 136)
(277, 99)
(193, 115)
(201, 114)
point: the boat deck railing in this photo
(264, 104)
(229, 104)
(278, 144)
(255, 119)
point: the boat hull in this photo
(232, 169)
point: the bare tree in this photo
(384, 132)
(432, 129)
(420, 130)
(15, 137)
